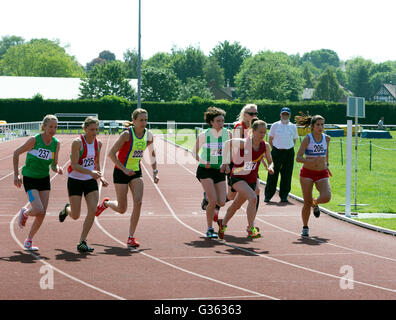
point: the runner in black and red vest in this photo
(247, 154)
(83, 173)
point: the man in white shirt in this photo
(282, 138)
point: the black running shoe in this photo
(83, 247)
(316, 211)
(205, 202)
(63, 214)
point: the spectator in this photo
(381, 124)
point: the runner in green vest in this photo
(42, 152)
(208, 173)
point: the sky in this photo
(351, 28)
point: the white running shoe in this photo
(28, 246)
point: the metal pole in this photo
(356, 149)
(139, 67)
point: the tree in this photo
(358, 72)
(188, 63)
(107, 55)
(230, 57)
(131, 58)
(195, 87)
(322, 58)
(159, 85)
(269, 75)
(94, 62)
(160, 60)
(7, 42)
(107, 79)
(308, 76)
(40, 58)
(213, 72)
(328, 87)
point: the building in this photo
(47, 87)
(386, 93)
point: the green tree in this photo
(7, 42)
(160, 60)
(188, 63)
(328, 87)
(358, 72)
(40, 58)
(94, 62)
(159, 85)
(322, 58)
(308, 76)
(269, 75)
(195, 87)
(131, 58)
(107, 79)
(230, 57)
(214, 74)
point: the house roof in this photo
(49, 88)
(391, 88)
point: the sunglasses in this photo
(252, 113)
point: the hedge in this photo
(108, 108)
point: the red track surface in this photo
(175, 261)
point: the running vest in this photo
(88, 156)
(248, 168)
(131, 153)
(212, 149)
(39, 158)
(316, 149)
(241, 124)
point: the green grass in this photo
(375, 187)
(388, 223)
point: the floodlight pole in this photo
(139, 66)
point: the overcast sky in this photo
(349, 27)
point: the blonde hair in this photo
(135, 115)
(47, 118)
(90, 120)
(241, 116)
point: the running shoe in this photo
(316, 211)
(28, 245)
(132, 243)
(211, 234)
(216, 214)
(63, 214)
(83, 247)
(222, 229)
(101, 207)
(305, 232)
(22, 218)
(253, 233)
(204, 202)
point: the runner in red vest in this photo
(83, 173)
(247, 154)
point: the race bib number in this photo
(88, 162)
(137, 154)
(216, 152)
(249, 166)
(44, 154)
(318, 148)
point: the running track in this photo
(175, 261)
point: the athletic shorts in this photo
(121, 178)
(211, 173)
(77, 187)
(314, 175)
(234, 180)
(40, 184)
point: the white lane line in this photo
(278, 260)
(167, 263)
(12, 223)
